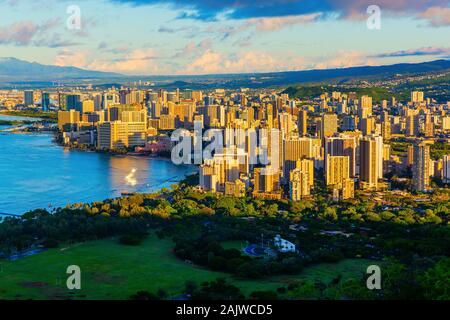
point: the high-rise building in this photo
(386, 129)
(167, 122)
(208, 177)
(344, 145)
(116, 111)
(412, 125)
(348, 123)
(338, 177)
(208, 100)
(393, 101)
(266, 183)
(235, 189)
(410, 155)
(342, 107)
(416, 96)
(348, 189)
(70, 117)
(371, 162)
(197, 96)
(109, 99)
(299, 186)
(286, 124)
(428, 126)
(421, 167)
(118, 134)
(87, 106)
(337, 169)
(302, 123)
(133, 116)
(74, 102)
(329, 125)
(446, 123)
(45, 101)
(28, 97)
(307, 165)
(295, 149)
(365, 107)
(367, 125)
(446, 169)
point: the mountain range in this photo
(14, 70)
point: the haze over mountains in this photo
(14, 70)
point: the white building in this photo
(284, 245)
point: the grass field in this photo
(113, 271)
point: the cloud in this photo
(344, 59)
(209, 61)
(102, 45)
(258, 25)
(19, 33)
(277, 23)
(138, 61)
(192, 49)
(29, 33)
(424, 51)
(213, 62)
(54, 41)
(436, 16)
(164, 29)
(66, 58)
(209, 10)
(119, 50)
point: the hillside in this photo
(12, 69)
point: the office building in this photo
(421, 167)
(28, 98)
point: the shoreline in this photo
(52, 136)
(45, 116)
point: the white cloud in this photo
(277, 23)
(257, 61)
(245, 62)
(436, 16)
(138, 61)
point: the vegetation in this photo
(439, 149)
(410, 237)
(32, 114)
(113, 271)
(377, 93)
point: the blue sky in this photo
(228, 36)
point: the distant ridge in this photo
(367, 72)
(12, 69)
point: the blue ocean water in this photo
(36, 173)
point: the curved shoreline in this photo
(103, 181)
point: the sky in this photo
(156, 37)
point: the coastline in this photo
(164, 180)
(47, 116)
(120, 152)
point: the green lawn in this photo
(113, 271)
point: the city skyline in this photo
(247, 152)
(172, 37)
